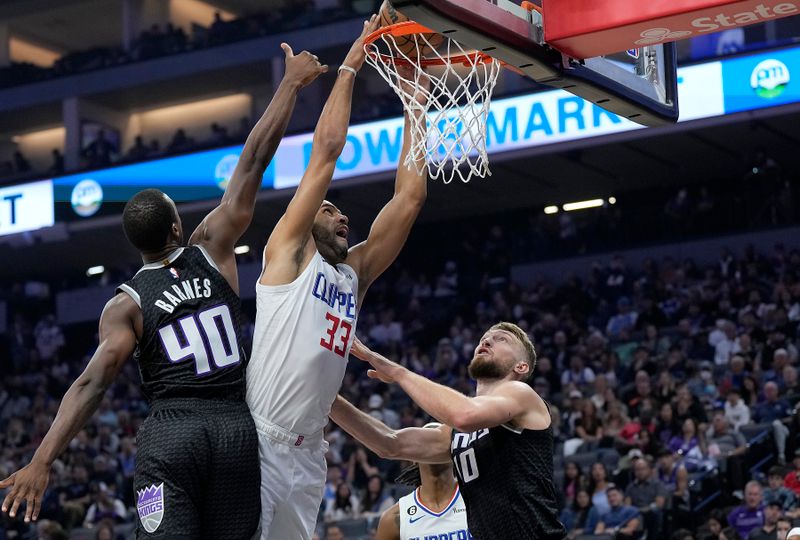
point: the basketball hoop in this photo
(449, 126)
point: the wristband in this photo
(347, 68)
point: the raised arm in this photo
(391, 227)
(224, 225)
(422, 445)
(508, 401)
(117, 342)
(291, 235)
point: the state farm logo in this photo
(769, 78)
(660, 35)
(719, 22)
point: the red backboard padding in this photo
(589, 28)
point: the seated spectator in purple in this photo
(668, 468)
(682, 444)
(666, 427)
(622, 521)
(777, 492)
(750, 515)
(767, 531)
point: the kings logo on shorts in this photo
(150, 505)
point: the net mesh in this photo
(447, 105)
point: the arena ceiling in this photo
(716, 148)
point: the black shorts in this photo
(197, 471)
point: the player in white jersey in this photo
(307, 300)
(435, 509)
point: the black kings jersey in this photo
(506, 478)
(191, 342)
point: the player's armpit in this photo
(389, 525)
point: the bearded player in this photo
(500, 441)
(307, 299)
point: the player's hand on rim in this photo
(362, 352)
(302, 68)
(357, 55)
(27, 485)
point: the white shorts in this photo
(293, 473)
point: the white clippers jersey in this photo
(417, 522)
(302, 338)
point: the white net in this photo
(448, 114)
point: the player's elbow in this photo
(390, 447)
(467, 421)
(330, 143)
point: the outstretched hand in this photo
(362, 352)
(357, 55)
(302, 68)
(27, 486)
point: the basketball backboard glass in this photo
(639, 84)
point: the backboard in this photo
(640, 84)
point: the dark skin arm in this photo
(223, 226)
(389, 525)
(119, 324)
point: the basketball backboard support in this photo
(640, 85)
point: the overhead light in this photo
(582, 205)
(241, 250)
(95, 270)
(551, 209)
(612, 200)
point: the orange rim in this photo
(408, 28)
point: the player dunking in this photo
(307, 304)
(197, 462)
(435, 509)
(500, 441)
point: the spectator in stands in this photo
(688, 406)
(105, 530)
(778, 412)
(713, 526)
(375, 500)
(574, 481)
(648, 494)
(49, 338)
(620, 325)
(99, 151)
(730, 533)
(666, 427)
(180, 142)
(623, 522)
(792, 478)
(333, 532)
(21, 164)
(138, 151)
(784, 527)
(777, 492)
(105, 505)
(725, 344)
(598, 485)
(345, 505)
(750, 515)
(75, 497)
(736, 411)
(767, 531)
(729, 446)
(578, 375)
(688, 439)
(588, 427)
(579, 514)
(58, 163)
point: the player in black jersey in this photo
(197, 470)
(500, 441)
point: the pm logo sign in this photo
(769, 78)
(26, 207)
